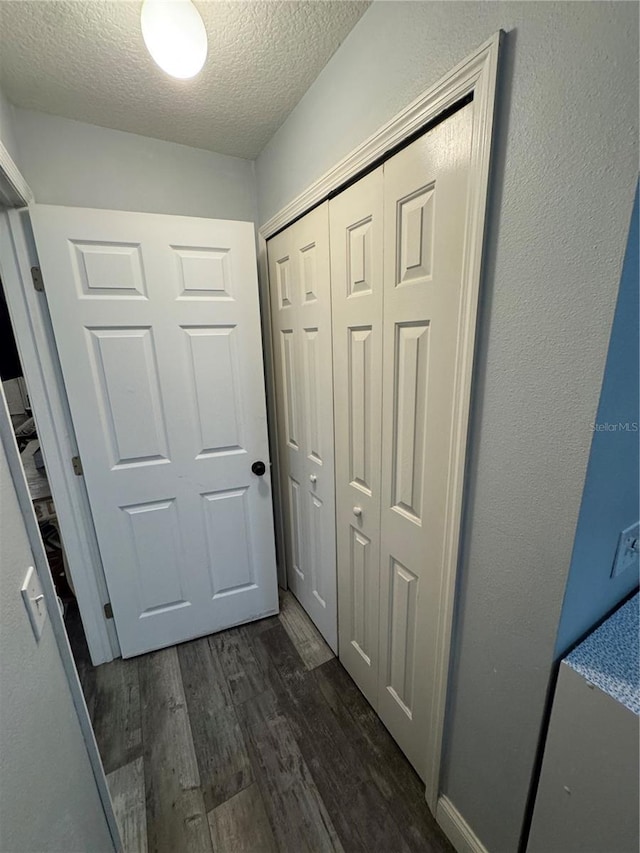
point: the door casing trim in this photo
(476, 75)
(29, 317)
(16, 193)
(14, 190)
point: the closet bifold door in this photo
(425, 207)
(355, 218)
(300, 292)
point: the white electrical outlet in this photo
(34, 601)
(627, 551)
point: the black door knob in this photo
(258, 468)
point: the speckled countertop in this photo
(610, 656)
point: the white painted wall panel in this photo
(81, 165)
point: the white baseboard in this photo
(457, 829)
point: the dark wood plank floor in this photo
(255, 739)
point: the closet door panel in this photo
(301, 312)
(356, 284)
(286, 358)
(425, 200)
(310, 246)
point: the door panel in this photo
(124, 365)
(297, 533)
(356, 284)
(312, 384)
(360, 379)
(425, 203)
(214, 368)
(301, 311)
(157, 327)
(154, 545)
(289, 387)
(411, 356)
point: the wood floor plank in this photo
(176, 815)
(308, 641)
(126, 787)
(89, 689)
(238, 662)
(241, 824)
(199, 665)
(116, 713)
(223, 762)
(278, 658)
(88, 682)
(298, 816)
(311, 717)
(356, 807)
(395, 779)
(81, 656)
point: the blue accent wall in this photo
(610, 498)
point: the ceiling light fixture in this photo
(175, 36)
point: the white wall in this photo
(76, 164)
(565, 171)
(48, 795)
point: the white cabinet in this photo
(589, 792)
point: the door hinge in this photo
(36, 278)
(108, 611)
(77, 466)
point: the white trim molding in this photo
(476, 76)
(14, 190)
(457, 829)
(42, 385)
(38, 355)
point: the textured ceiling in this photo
(85, 59)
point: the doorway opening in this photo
(26, 434)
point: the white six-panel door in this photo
(301, 312)
(356, 287)
(157, 326)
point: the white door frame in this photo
(476, 76)
(36, 345)
(15, 192)
(272, 418)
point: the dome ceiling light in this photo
(175, 36)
